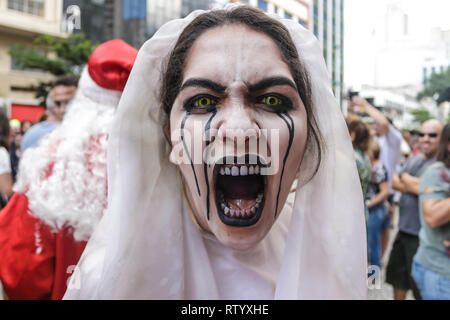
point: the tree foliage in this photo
(438, 87)
(421, 115)
(54, 55)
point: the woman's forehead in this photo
(235, 52)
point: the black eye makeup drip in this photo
(187, 151)
(291, 138)
(205, 168)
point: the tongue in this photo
(240, 204)
(240, 187)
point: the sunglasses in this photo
(431, 135)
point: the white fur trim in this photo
(75, 193)
(96, 93)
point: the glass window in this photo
(34, 7)
(287, 15)
(316, 18)
(262, 4)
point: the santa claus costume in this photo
(61, 190)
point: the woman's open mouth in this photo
(239, 190)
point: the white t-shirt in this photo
(390, 151)
(5, 162)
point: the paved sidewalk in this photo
(385, 290)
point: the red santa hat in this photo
(107, 71)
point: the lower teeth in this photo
(242, 213)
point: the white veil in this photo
(147, 247)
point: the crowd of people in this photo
(142, 183)
(391, 179)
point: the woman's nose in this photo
(238, 125)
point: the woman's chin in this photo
(240, 238)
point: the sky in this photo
(362, 19)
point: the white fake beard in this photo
(75, 194)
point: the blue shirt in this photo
(36, 132)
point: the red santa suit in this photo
(61, 190)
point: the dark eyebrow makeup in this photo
(261, 85)
(204, 83)
(270, 82)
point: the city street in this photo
(386, 290)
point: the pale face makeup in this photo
(237, 90)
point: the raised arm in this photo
(373, 112)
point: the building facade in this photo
(21, 21)
(161, 11)
(187, 6)
(407, 43)
(325, 19)
(134, 21)
(328, 26)
(103, 20)
(96, 18)
(298, 10)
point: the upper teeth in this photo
(242, 170)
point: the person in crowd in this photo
(61, 190)
(42, 117)
(195, 211)
(431, 264)
(377, 194)
(16, 140)
(360, 136)
(387, 136)
(406, 134)
(389, 139)
(414, 142)
(6, 181)
(57, 102)
(24, 126)
(398, 270)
